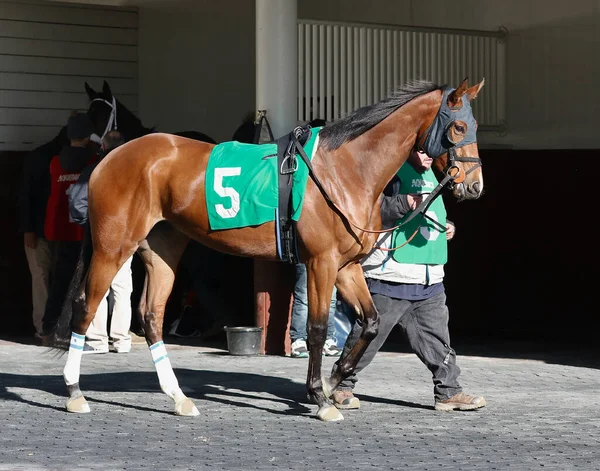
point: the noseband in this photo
(111, 125)
(452, 170)
(437, 140)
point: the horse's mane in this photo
(361, 120)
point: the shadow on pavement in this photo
(551, 351)
(227, 388)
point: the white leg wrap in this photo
(72, 368)
(166, 376)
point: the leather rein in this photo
(452, 173)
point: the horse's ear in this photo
(456, 95)
(106, 89)
(90, 91)
(474, 90)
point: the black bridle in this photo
(451, 166)
(452, 176)
(437, 139)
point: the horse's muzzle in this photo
(462, 192)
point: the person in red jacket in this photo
(58, 227)
(33, 198)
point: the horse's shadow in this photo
(227, 388)
(243, 390)
(393, 402)
(231, 389)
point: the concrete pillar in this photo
(276, 92)
(277, 63)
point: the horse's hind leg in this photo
(321, 274)
(102, 270)
(353, 288)
(161, 252)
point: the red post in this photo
(273, 287)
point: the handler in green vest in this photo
(407, 287)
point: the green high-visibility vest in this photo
(429, 245)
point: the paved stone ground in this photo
(543, 413)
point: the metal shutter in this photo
(47, 52)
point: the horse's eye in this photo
(460, 129)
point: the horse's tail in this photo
(61, 337)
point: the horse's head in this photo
(451, 140)
(106, 112)
(102, 109)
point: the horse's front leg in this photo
(353, 288)
(321, 276)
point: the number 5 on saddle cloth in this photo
(249, 185)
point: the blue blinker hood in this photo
(436, 141)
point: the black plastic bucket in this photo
(243, 340)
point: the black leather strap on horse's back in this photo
(287, 147)
(284, 221)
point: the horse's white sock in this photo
(72, 368)
(166, 376)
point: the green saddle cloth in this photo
(241, 183)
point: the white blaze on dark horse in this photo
(166, 207)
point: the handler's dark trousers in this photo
(425, 325)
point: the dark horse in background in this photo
(157, 216)
(108, 113)
(102, 105)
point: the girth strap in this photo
(287, 164)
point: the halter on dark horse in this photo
(108, 114)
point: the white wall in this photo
(196, 65)
(553, 58)
(48, 50)
(553, 61)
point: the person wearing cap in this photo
(65, 234)
(33, 198)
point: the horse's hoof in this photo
(329, 413)
(78, 405)
(327, 389)
(186, 408)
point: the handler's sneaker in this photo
(299, 349)
(344, 399)
(460, 401)
(121, 347)
(330, 349)
(88, 348)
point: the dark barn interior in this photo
(520, 268)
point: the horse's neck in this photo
(379, 153)
(129, 124)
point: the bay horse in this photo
(149, 196)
